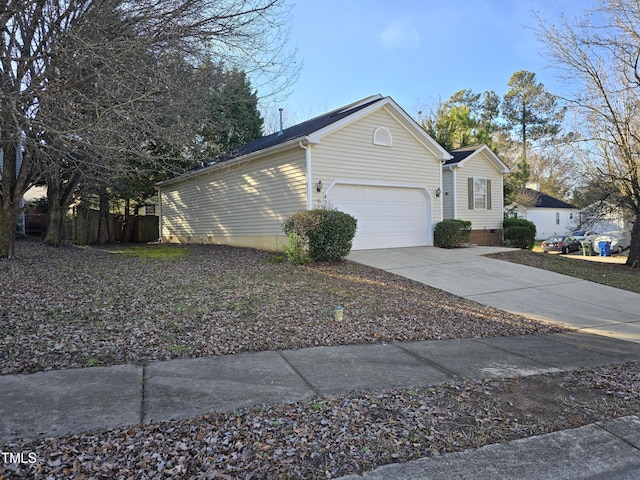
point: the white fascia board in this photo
(439, 151)
(235, 161)
(414, 128)
(492, 157)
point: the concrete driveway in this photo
(547, 296)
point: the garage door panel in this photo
(387, 216)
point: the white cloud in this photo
(398, 35)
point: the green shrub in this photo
(319, 235)
(515, 236)
(297, 227)
(519, 222)
(519, 237)
(452, 233)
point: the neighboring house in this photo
(550, 215)
(472, 185)
(604, 218)
(369, 159)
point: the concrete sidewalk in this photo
(77, 400)
(586, 306)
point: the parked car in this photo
(561, 243)
(619, 239)
(583, 234)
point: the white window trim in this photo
(475, 207)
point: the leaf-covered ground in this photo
(76, 307)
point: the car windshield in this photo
(555, 239)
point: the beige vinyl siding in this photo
(490, 218)
(448, 193)
(240, 204)
(350, 154)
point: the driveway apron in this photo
(535, 293)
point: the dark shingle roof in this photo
(547, 201)
(460, 154)
(300, 130)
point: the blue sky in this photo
(414, 51)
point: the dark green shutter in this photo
(471, 203)
(488, 194)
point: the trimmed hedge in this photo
(319, 235)
(519, 222)
(452, 233)
(519, 233)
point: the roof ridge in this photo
(354, 105)
(469, 147)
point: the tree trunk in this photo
(59, 196)
(53, 237)
(8, 221)
(126, 226)
(55, 226)
(13, 184)
(104, 235)
(634, 250)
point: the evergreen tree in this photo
(233, 118)
(467, 118)
(530, 111)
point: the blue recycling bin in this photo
(605, 249)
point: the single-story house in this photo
(369, 159)
(604, 217)
(472, 182)
(550, 215)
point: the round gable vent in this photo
(382, 136)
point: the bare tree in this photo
(86, 85)
(600, 55)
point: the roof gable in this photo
(314, 129)
(461, 155)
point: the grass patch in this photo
(611, 274)
(93, 362)
(181, 348)
(155, 252)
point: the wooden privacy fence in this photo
(84, 226)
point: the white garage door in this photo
(387, 216)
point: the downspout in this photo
(441, 190)
(454, 190)
(307, 157)
(159, 216)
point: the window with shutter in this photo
(479, 193)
